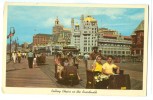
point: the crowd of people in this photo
(30, 56)
(65, 61)
(16, 56)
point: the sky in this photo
(30, 20)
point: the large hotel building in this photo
(87, 35)
(84, 36)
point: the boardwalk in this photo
(19, 75)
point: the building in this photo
(61, 36)
(138, 41)
(57, 28)
(25, 45)
(110, 42)
(84, 35)
(41, 41)
(87, 35)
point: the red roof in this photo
(127, 37)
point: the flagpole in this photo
(10, 35)
(10, 47)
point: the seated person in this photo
(101, 80)
(71, 64)
(59, 66)
(65, 63)
(109, 66)
(97, 65)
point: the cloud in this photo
(114, 13)
(66, 22)
(42, 18)
(118, 24)
(138, 16)
(48, 22)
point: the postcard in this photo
(75, 49)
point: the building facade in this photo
(112, 43)
(41, 41)
(138, 41)
(84, 35)
(61, 35)
(57, 28)
(87, 35)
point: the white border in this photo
(149, 86)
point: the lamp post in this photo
(10, 35)
(10, 47)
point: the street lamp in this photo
(10, 35)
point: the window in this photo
(104, 52)
(108, 52)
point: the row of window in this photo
(91, 44)
(114, 45)
(88, 23)
(40, 38)
(115, 49)
(89, 38)
(116, 52)
(42, 43)
(87, 49)
(91, 31)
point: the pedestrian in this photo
(14, 56)
(34, 61)
(25, 54)
(85, 58)
(22, 55)
(19, 56)
(30, 59)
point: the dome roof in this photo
(90, 19)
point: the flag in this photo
(10, 35)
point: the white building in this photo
(84, 36)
